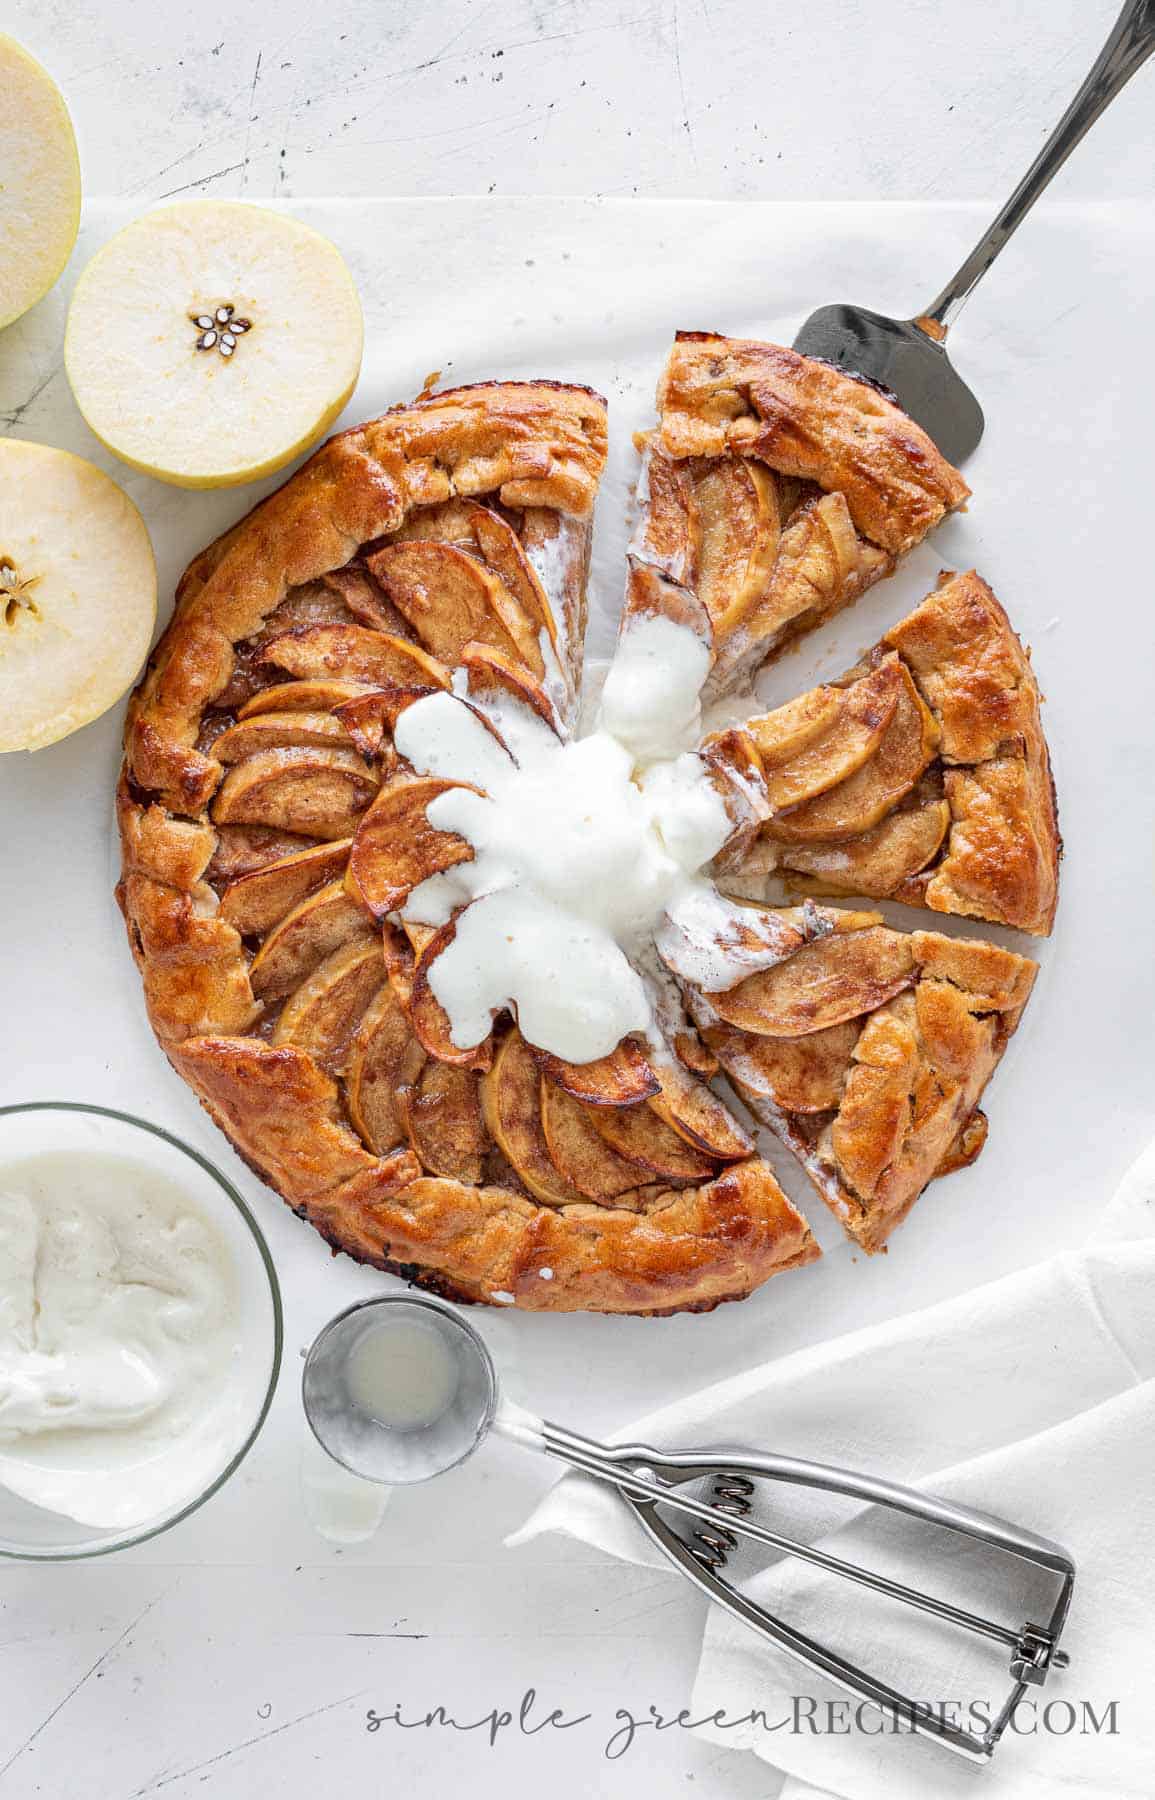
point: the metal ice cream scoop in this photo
(401, 1389)
(907, 355)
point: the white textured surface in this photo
(840, 99)
(237, 1655)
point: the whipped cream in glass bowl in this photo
(140, 1330)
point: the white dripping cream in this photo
(135, 1339)
(582, 849)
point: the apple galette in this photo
(271, 831)
(454, 979)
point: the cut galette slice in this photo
(864, 1049)
(921, 775)
(777, 489)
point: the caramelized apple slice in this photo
(495, 679)
(789, 730)
(318, 793)
(579, 1153)
(670, 533)
(620, 1079)
(865, 711)
(365, 600)
(450, 599)
(737, 506)
(427, 1015)
(324, 1013)
(878, 861)
(967, 1145)
(384, 1057)
(832, 979)
(242, 849)
(907, 746)
(395, 847)
(803, 1074)
(511, 1099)
(638, 1133)
(302, 696)
(315, 928)
(280, 731)
(822, 565)
(698, 1116)
(442, 1115)
(875, 1114)
(355, 653)
(254, 902)
(369, 716)
(500, 546)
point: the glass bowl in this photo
(30, 1533)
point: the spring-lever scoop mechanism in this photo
(386, 1437)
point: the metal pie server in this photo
(907, 356)
(714, 1490)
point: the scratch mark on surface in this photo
(249, 124)
(75, 1689)
(203, 181)
(682, 87)
(11, 419)
(154, 1787)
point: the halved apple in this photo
(211, 341)
(578, 1151)
(319, 793)
(384, 1057)
(865, 710)
(878, 861)
(396, 848)
(280, 731)
(832, 979)
(511, 1098)
(40, 186)
(303, 696)
(320, 924)
(77, 584)
(905, 749)
(638, 1133)
(451, 599)
(441, 1111)
(326, 1010)
(737, 507)
(803, 1074)
(620, 1079)
(256, 899)
(355, 653)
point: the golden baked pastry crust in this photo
(866, 1051)
(962, 821)
(254, 747)
(779, 489)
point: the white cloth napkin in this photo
(1032, 1398)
